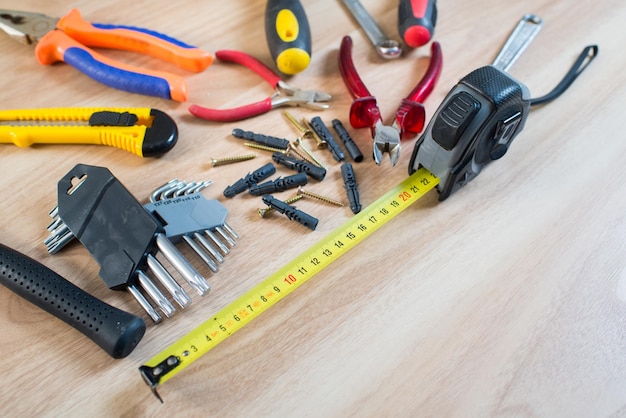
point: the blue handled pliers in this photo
(67, 39)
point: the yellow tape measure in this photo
(263, 296)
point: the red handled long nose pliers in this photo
(285, 95)
(364, 111)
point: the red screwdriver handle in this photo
(416, 21)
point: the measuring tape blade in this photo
(284, 281)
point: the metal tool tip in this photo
(378, 156)
(389, 49)
(394, 155)
(151, 381)
(201, 285)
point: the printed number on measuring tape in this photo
(260, 298)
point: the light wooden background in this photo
(508, 299)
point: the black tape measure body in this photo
(475, 124)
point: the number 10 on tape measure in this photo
(263, 296)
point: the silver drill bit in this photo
(207, 245)
(155, 294)
(57, 233)
(224, 235)
(230, 231)
(58, 238)
(198, 250)
(166, 279)
(180, 263)
(152, 313)
(223, 248)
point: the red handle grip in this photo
(234, 114)
(416, 21)
(249, 61)
(411, 114)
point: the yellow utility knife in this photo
(143, 131)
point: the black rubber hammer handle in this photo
(117, 332)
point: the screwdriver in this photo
(416, 21)
(288, 35)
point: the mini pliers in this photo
(67, 39)
(285, 95)
(364, 111)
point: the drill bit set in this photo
(125, 237)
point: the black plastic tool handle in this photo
(416, 21)
(115, 331)
(288, 35)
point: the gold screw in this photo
(266, 148)
(229, 160)
(320, 142)
(292, 148)
(293, 199)
(316, 196)
(300, 144)
(306, 132)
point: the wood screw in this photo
(316, 196)
(230, 160)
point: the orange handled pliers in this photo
(364, 111)
(285, 95)
(67, 39)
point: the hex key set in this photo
(124, 236)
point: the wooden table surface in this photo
(507, 299)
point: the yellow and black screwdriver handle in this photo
(143, 131)
(288, 35)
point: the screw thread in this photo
(321, 142)
(316, 196)
(265, 147)
(305, 131)
(264, 211)
(311, 157)
(229, 160)
(292, 148)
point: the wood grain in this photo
(508, 299)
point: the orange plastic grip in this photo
(135, 39)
